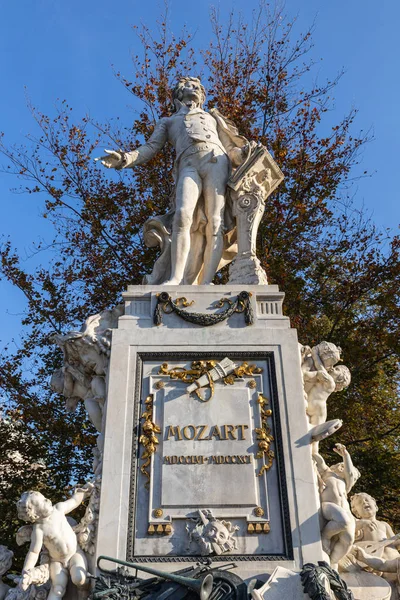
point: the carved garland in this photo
(264, 436)
(313, 579)
(148, 438)
(240, 304)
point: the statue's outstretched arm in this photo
(76, 499)
(154, 144)
(351, 474)
(122, 160)
(379, 564)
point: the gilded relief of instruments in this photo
(205, 372)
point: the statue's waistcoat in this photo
(193, 127)
(201, 126)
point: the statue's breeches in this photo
(207, 166)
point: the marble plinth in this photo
(145, 516)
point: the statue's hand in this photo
(24, 581)
(87, 488)
(112, 160)
(359, 553)
(323, 376)
(340, 449)
(372, 526)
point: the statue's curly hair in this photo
(353, 503)
(29, 509)
(342, 377)
(177, 92)
(325, 346)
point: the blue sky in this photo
(52, 49)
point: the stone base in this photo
(127, 510)
(248, 271)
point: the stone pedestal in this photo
(235, 455)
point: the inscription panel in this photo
(209, 481)
(211, 455)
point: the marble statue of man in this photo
(207, 146)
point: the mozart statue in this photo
(197, 236)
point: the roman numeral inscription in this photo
(211, 460)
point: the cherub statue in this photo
(83, 375)
(212, 535)
(368, 528)
(339, 532)
(52, 530)
(325, 354)
(371, 533)
(6, 557)
(75, 385)
(321, 377)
